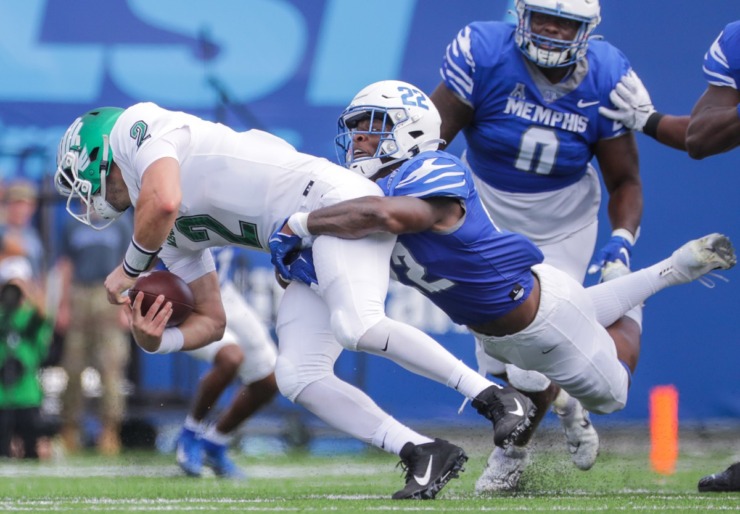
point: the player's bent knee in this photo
(348, 332)
(605, 404)
(292, 379)
(529, 381)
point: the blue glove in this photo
(617, 249)
(301, 268)
(281, 245)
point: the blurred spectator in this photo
(25, 334)
(20, 201)
(95, 333)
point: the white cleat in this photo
(503, 470)
(700, 256)
(580, 434)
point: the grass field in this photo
(621, 481)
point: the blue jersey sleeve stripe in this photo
(457, 78)
(717, 67)
(445, 175)
(448, 188)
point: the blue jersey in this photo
(473, 272)
(722, 61)
(528, 135)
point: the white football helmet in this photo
(412, 124)
(555, 53)
(84, 159)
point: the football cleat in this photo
(728, 480)
(503, 470)
(429, 467)
(697, 258)
(580, 434)
(510, 411)
(217, 459)
(189, 452)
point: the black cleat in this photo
(428, 468)
(510, 411)
(728, 480)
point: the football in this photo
(174, 289)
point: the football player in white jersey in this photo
(712, 128)
(526, 98)
(246, 351)
(197, 185)
(523, 311)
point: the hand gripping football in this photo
(174, 289)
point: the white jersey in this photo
(237, 187)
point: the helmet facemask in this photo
(548, 52)
(81, 174)
(387, 149)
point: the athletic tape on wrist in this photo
(137, 259)
(626, 234)
(298, 223)
(651, 125)
(172, 341)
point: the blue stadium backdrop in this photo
(291, 66)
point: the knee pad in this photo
(292, 379)
(348, 330)
(529, 381)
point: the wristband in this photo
(298, 223)
(172, 341)
(651, 125)
(626, 234)
(137, 259)
(738, 110)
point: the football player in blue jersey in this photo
(246, 351)
(523, 311)
(526, 98)
(712, 128)
(714, 124)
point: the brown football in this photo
(174, 289)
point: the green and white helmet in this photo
(84, 161)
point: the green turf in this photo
(621, 481)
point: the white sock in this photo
(214, 436)
(614, 298)
(414, 350)
(343, 406)
(391, 436)
(194, 425)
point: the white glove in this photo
(633, 103)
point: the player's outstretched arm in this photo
(715, 123)
(360, 217)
